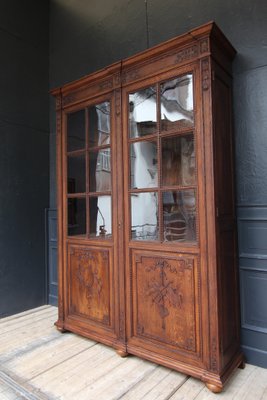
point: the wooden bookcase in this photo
(146, 211)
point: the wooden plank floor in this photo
(38, 362)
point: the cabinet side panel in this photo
(225, 217)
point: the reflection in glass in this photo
(144, 168)
(100, 216)
(76, 130)
(99, 124)
(177, 103)
(76, 217)
(179, 216)
(144, 212)
(143, 112)
(100, 170)
(76, 174)
(178, 160)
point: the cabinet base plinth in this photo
(214, 388)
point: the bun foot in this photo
(60, 327)
(242, 365)
(214, 388)
(122, 353)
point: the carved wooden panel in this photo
(165, 295)
(89, 279)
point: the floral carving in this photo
(88, 275)
(187, 54)
(129, 76)
(204, 46)
(205, 74)
(108, 84)
(214, 354)
(68, 99)
(163, 292)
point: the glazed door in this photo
(90, 210)
(161, 203)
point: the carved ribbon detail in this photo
(163, 292)
(88, 276)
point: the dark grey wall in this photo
(24, 156)
(88, 35)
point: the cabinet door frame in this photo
(171, 250)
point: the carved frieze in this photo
(68, 100)
(129, 76)
(187, 54)
(107, 84)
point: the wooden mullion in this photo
(76, 195)
(160, 210)
(98, 194)
(144, 138)
(87, 175)
(101, 147)
(177, 188)
(183, 132)
(76, 153)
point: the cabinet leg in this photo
(214, 388)
(122, 353)
(242, 365)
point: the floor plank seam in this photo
(137, 383)
(61, 362)
(178, 387)
(20, 389)
(28, 348)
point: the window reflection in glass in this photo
(179, 216)
(177, 103)
(144, 165)
(99, 124)
(143, 112)
(76, 174)
(100, 216)
(76, 130)
(178, 160)
(76, 217)
(144, 213)
(100, 170)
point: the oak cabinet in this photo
(147, 241)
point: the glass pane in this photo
(177, 103)
(100, 216)
(76, 217)
(100, 171)
(178, 160)
(76, 130)
(99, 124)
(179, 216)
(143, 112)
(76, 174)
(144, 165)
(144, 211)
